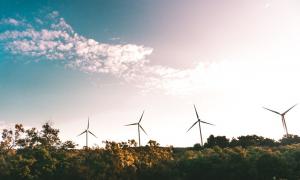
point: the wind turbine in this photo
(138, 124)
(87, 131)
(199, 121)
(282, 118)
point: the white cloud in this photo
(58, 41)
(53, 15)
(11, 21)
(62, 25)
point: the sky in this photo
(108, 60)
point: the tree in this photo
(49, 136)
(18, 140)
(7, 140)
(31, 139)
(220, 141)
(252, 140)
(291, 139)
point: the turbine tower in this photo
(282, 118)
(199, 121)
(138, 124)
(87, 131)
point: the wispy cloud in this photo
(57, 41)
(11, 21)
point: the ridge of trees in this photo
(248, 140)
(33, 154)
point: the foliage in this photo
(220, 141)
(33, 154)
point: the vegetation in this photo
(33, 154)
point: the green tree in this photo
(220, 141)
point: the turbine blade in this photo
(92, 134)
(272, 110)
(207, 123)
(81, 133)
(192, 126)
(88, 123)
(196, 112)
(143, 130)
(141, 117)
(131, 124)
(289, 109)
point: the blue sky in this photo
(110, 60)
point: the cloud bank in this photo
(57, 41)
(53, 39)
